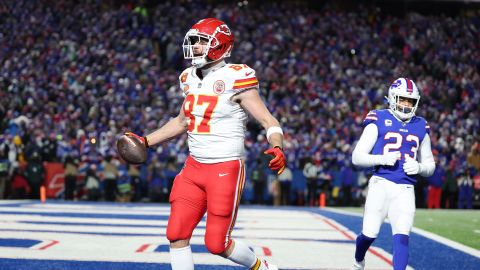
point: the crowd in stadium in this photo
(76, 75)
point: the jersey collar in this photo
(211, 69)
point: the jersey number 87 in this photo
(190, 102)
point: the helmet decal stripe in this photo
(409, 85)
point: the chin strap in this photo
(199, 62)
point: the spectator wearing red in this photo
(20, 186)
(435, 183)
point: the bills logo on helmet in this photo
(396, 84)
(409, 86)
(219, 87)
(224, 29)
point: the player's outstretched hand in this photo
(278, 161)
(390, 158)
(411, 166)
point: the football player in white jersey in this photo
(391, 141)
(218, 97)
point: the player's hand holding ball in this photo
(411, 166)
(278, 162)
(132, 148)
(390, 158)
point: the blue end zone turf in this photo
(424, 252)
(19, 243)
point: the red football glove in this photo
(278, 162)
(142, 139)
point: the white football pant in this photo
(387, 199)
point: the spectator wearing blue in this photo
(348, 176)
(465, 189)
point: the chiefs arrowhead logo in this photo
(224, 29)
(219, 87)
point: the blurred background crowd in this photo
(74, 75)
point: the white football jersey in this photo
(216, 124)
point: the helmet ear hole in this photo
(214, 43)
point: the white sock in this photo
(242, 255)
(181, 258)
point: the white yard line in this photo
(447, 242)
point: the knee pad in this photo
(402, 226)
(176, 232)
(215, 243)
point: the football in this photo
(131, 149)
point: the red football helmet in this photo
(219, 40)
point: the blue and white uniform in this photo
(396, 143)
(391, 192)
(395, 135)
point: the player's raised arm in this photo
(361, 154)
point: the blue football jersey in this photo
(395, 135)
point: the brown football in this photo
(131, 149)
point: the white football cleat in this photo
(358, 265)
(266, 266)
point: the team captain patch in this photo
(219, 87)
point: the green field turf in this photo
(462, 226)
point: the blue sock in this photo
(363, 243)
(400, 251)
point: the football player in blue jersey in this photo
(397, 144)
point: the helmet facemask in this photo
(402, 111)
(191, 39)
